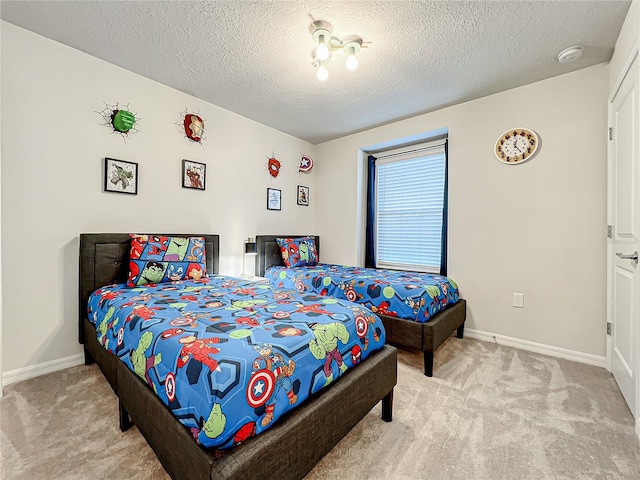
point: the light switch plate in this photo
(518, 300)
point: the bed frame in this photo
(288, 450)
(426, 337)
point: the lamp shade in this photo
(250, 248)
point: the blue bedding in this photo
(409, 295)
(229, 357)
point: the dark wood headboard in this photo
(104, 260)
(269, 252)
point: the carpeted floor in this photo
(490, 412)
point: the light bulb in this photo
(322, 73)
(352, 61)
(322, 52)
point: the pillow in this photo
(159, 259)
(298, 252)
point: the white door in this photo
(624, 214)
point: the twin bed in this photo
(414, 315)
(281, 423)
(182, 340)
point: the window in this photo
(409, 218)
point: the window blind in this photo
(409, 209)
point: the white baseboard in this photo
(20, 374)
(572, 355)
(33, 371)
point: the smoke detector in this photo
(570, 54)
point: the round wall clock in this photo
(516, 145)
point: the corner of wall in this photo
(1, 217)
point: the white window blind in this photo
(409, 209)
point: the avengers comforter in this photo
(409, 295)
(229, 357)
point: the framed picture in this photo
(193, 174)
(303, 195)
(120, 176)
(274, 197)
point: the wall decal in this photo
(273, 165)
(306, 164)
(120, 120)
(192, 126)
(120, 176)
(193, 174)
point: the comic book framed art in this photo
(303, 195)
(274, 197)
(194, 175)
(120, 176)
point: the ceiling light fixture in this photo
(322, 73)
(570, 54)
(351, 48)
(322, 37)
(326, 44)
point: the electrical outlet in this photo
(518, 300)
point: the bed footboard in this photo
(288, 450)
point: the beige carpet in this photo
(490, 412)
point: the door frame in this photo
(621, 76)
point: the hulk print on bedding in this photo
(227, 356)
(409, 295)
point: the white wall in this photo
(624, 44)
(537, 228)
(53, 146)
(0, 211)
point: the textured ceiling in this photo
(255, 57)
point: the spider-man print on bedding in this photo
(409, 295)
(227, 356)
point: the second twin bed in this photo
(418, 310)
